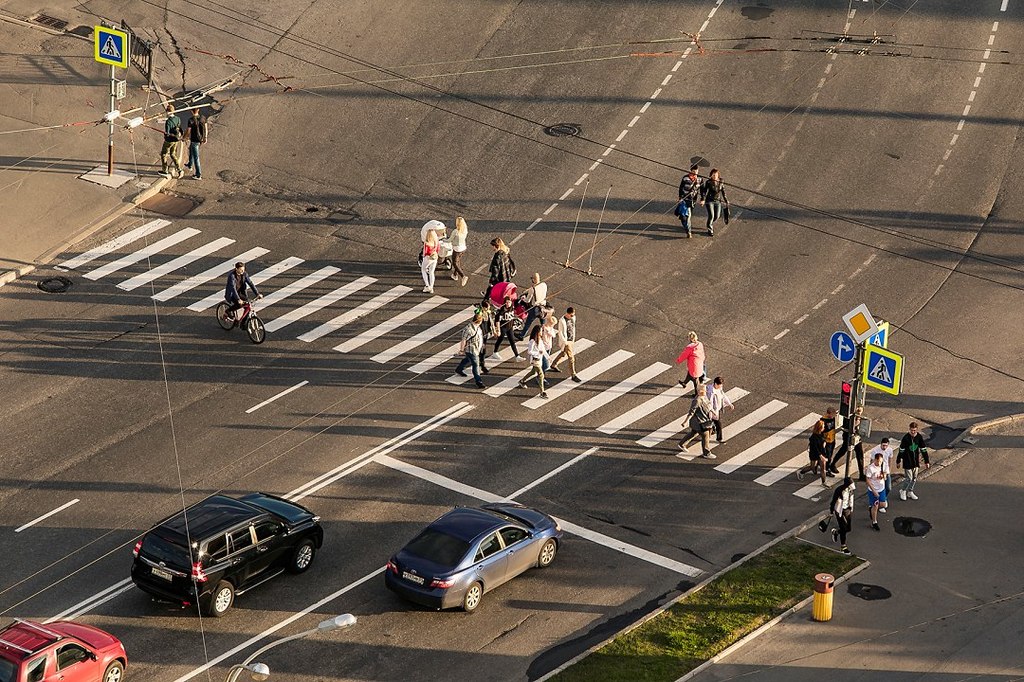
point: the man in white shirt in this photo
(886, 451)
(876, 488)
(535, 299)
(566, 342)
(719, 401)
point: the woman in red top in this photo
(429, 263)
(693, 355)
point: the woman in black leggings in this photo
(506, 321)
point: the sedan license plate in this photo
(160, 573)
(412, 577)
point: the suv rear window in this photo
(441, 548)
(159, 549)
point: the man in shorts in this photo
(875, 473)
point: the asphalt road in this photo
(852, 181)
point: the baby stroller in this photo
(444, 244)
(496, 300)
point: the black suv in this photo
(236, 545)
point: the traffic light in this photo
(845, 399)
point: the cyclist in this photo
(234, 292)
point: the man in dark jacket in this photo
(196, 135)
(234, 291)
(172, 136)
(689, 195)
(912, 451)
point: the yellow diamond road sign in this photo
(882, 369)
(860, 323)
(111, 46)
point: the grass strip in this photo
(707, 621)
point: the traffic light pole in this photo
(855, 403)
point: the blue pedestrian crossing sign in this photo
(882, 369)
(881, 337)
(111, 46)
(842, 346)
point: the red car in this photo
(64, 650)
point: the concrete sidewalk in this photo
(955, 610)
(52, 79)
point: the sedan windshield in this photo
(438, 547)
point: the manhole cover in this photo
(868, 592)
(911, 527)
(564, 130)
(52, 22)
(54, 285)
(169, 204)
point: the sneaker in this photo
(903, 495)
(682, 382)
(554, 368)
(484, 370)
(881, 510)
(833, 471)
(708, 455)
(480, 384)
(722, 440)
(576, 378)
(427, 290)
(799, 475)
(824, 485)
(911, 495)
(187, 165)
(845, 550)
(460, 373)
(464, 280)
(543, 395)
(689, 235)
(835, 535)
(495, 358)
(453, 276)
(711, 233)
(164, 174)
(682, 448)
(519, 358)
(874, 526)
(830, 474)
(522, 385)
(197, 177)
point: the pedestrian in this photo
(886, 451)
(829, 420)
(912, 451)
(471, 346)
(429, 263)
(700, 423)
(689, 195)
(535, 352)
(169, 152)
(566, 343)
(506, 318)
(713, 197)
(535, 300)
(816, 454)
(858, 447)
(458, 249)
(548, 334)
(877, 498)
(503, 268)
(693, 356)
(196, 134)
(719, 401)
(842, 507)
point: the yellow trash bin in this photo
(823, 584)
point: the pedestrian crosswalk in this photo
(617, 393)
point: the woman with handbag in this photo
(503, 268)
(458, 250)
(536, 352)
(701, 423)
(713, 197)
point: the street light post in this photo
(260, 671)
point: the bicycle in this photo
(245, 316)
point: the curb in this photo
(767, 626)
(91, 229)
(981, 426)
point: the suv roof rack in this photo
(50, 634)
(39, 628)
(18, 647)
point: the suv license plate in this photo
(412, 577)
(162, 574)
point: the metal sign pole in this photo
(856, 401)
(110, 134)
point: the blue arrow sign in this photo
(842, 347)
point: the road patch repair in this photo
(706, 622)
